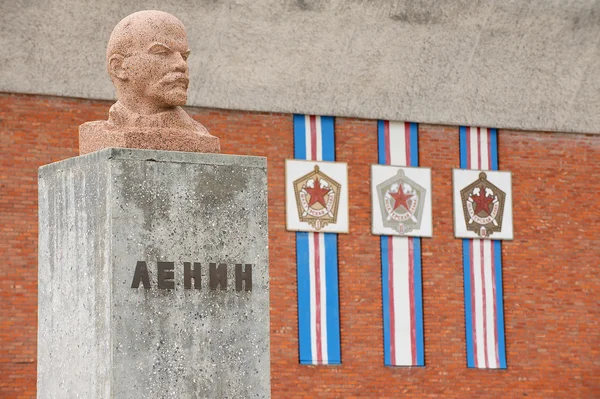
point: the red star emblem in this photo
(317, 194)
(400, 198)
(482, 202)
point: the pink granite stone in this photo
(147, 62)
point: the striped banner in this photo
(401, 261)
(482, 262)
(316, 257)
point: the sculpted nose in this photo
(181, 64)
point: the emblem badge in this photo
(483, 206)
(401, 202)
(317, 198)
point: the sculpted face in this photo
(149, 64)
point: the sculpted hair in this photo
(121, 38)
(128, 30)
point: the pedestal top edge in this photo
(131, 154)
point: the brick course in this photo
(551, 283)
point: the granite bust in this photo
(146, 58)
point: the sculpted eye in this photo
(185, 55)
(159, 49)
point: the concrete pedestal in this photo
(153, 276)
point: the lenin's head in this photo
(147, 61)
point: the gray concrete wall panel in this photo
(530, 65)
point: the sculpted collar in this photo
(120, 116)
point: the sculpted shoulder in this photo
(172, 130)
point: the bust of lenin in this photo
(146, 59)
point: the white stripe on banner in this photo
(314, 330)
(482, 266)
(401, 262)
(397, 146)
(318, 299)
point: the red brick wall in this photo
(551, 279)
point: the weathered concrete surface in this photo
(530, 65)
(102, 213)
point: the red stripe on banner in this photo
(473, 304)
(386, 135)
(392, 309)
(407, 143)
(483, 294)
(495, 313)
(411, 288)
(313, 137)
(469, 150)
(318, 294)
(478, 148)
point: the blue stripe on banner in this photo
(414, 145)
(418, 286)
(302, 263)
(333, 311)
(463, 147)
(328, 143)
(499, 304)
(467, 262)
(419, 303)
(381, 142)
(498, 267)
(468, 310)
(299, 137)
(494, 148)
(384, 241)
